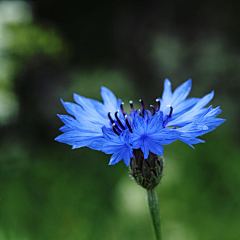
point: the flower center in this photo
(143, 137)
(123, 121)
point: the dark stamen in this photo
(121, 106)
(143, 107)
(158, 104)
(142, 104)
(118, 120)
(110, 118)
(170, 113)
(129, 126)
(168, 116)
(153, 109)
(115, 129)
(131, 105)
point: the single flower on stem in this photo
(138, 137)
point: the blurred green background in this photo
(51, 49)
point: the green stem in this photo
(152, 200)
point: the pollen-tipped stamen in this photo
(118, 120)
(171, 110)
(131, 105)
(153, 109)
(142, 106)
(121, 106)
(158, 104)
(116, 129)
(110, 118)
(128, 124)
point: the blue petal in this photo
(200, 126)
(70, 121)
(112, 147)
(204, 101)
(109, 134)
(166, 136)
(193, 113)
(155, 148)
(167, 91)
(183, 106)
(65, 128)
(211, 124)
(181, 92)
(215, 111)
(190, 141)
(127, 158)
(145, 148)
(87, 104)
(115, 158)
(82, 116)
(176, 99)
(73, 109)
(75, 138)
(155, 123)
(121, 153)
(136, 141)
(139, 125)
(98, 144)
(94, 110)
(125, 137)
(109, 99)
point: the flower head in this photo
(108, 128)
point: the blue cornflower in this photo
(108, 128)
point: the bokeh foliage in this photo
(48, 51)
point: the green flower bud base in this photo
(146, 172)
